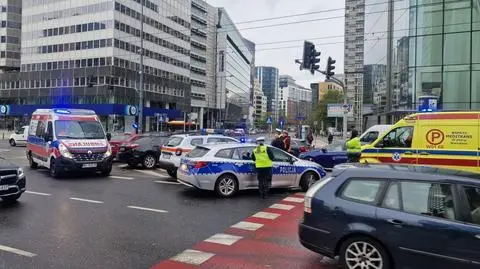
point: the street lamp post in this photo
(140, 99)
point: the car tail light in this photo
(311, 193)
(198, 165)
(178, 152)
(303, 149)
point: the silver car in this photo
(228, 168)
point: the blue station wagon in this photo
(385, 216)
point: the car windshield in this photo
(73, 129)
(337, 146)
(198, 152)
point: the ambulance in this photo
(439, 139)
(68, 141)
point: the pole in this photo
(140, 99)
(389, 60)
(158, 121)
(184, 122)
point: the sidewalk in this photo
(267, 239)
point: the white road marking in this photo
(294, 199)
(17, 251)
(152, 173)
(148, 209)
(167, 182)
(224, 239)
(266, 215)
(282, 206)
(249, 226)
(126, 178)
(38, 193)
(193, 257)
(122, 166)
(86, 200)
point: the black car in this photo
(299, 146)
(12, 181)
(144, 151)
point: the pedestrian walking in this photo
(354, 147)
(263, 158)
(310, 137)
(287, 141)
(330, 138)
(278, 141)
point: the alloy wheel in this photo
(226, 186)
(149, 161)
(362, 255)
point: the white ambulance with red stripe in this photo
(179, 145)
(68, 141)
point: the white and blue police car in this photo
(229, 168)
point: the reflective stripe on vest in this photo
(261, 157)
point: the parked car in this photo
(179, 145)
(328, 157)
(145, 151)
(395, 216)
(299, 146)
(12, 181)
(19, 137)
(229, 168)
(119, 139)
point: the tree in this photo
(330, 97)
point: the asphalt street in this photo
(133, 219)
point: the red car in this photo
(119, 139)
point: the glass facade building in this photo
(434, 53)
(269, 81)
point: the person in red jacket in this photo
(287, 141)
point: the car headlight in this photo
(64, 151)
(108, 153)
(20, 173)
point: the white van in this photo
(19, 137)
(373, 133)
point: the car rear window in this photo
(198, 152)
(174, 141)
(362, 190)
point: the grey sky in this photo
(247, 10)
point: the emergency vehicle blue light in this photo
(62, 111)
(243, 140)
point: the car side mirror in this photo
(380, 144)
(292, 160)
(109, 137)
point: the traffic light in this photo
(330, 67)
(314, 61)
(308, 50)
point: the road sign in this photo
(269, 120)
(135, 126)
(161, 119)
(338, 110)
(282, 123)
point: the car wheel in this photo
(12, 142)
(307, 180)
(106, 172)
(172, 172)
(149, 161)
(54, 170)
(31, 162)
(363, 252)
(226, 186)
(12, 198)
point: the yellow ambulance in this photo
(440, 139)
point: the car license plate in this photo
(89, 165)
(167, 156)
(4, 187)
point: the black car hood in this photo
(4, 164)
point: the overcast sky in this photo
(326, 33)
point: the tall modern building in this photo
(433, 51)
(294, 101)
(354, 55)
(10, 34)
(87, 54)
(260, 102)
(234, 70)
(269, 81)
(202, 61)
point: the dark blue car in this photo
(381, 216)
(328, 157)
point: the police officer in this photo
(354, 147)
(263, 156)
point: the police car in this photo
(228, 168)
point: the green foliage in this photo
(320, 113)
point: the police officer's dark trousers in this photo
(264, 176)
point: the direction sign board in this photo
(269, 120)
(338, 110)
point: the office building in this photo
(87, 54)
(328, 85)
(433, 51)
(295, 101)
(202, 62)
(10, 35)
(234, 69)
(269, 81)
(260, 102)
(354, 55)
